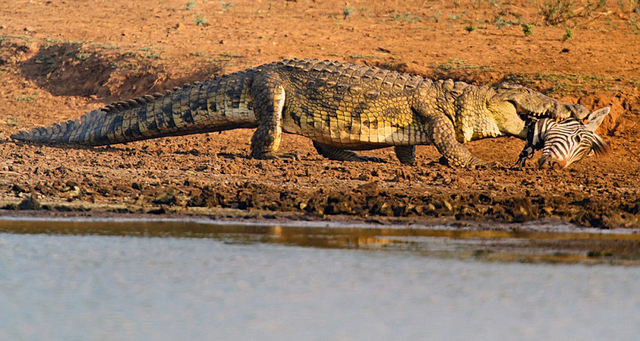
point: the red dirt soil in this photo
(60, 59)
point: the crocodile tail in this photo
(219, 104)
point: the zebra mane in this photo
(599, 146)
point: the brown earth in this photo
(60, 59)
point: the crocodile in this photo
(341, 107)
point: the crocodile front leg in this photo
(443, 137)
(338, 154)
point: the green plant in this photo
(501, 21)
(557, 12)
(190, 5)
(635, 27)
(407, 17)
(470, 28)
(27, 98)
(460, 64)
(5, 37)
(200, 21)
(82, 56)
(150, 55)
(105, 46)
(347, 11)
(527, 29)
(568, 34)
(12, 122)
(572, 83)
(363, 13)
(437, 16)
(226, 6)
(364, 56)
(230, 54)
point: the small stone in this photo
(11, 206)
(447, 205)
(30, 203)
(18, 189)
(74, 192)
(165, 198)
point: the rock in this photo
(166, 198)
(30, 203)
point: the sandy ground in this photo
(60, 59)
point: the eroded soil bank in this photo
(61, 59)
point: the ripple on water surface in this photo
(304, 283)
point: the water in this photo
(246, 282)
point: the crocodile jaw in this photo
(507, 119)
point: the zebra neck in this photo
(537, 132)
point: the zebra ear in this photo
(594, 120)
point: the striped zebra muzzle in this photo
(565, 142)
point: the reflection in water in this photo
(247, 282)
(518, 245)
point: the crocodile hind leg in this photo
(343, 154)
(406, 154)
(269, 99)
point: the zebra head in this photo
(565, 142)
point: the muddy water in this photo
(66, 280)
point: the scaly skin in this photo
(340, 106)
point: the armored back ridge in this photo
(341, 107)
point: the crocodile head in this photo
(571, 140)
(512, 105)
(535, 104)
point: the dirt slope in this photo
(59, 59)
